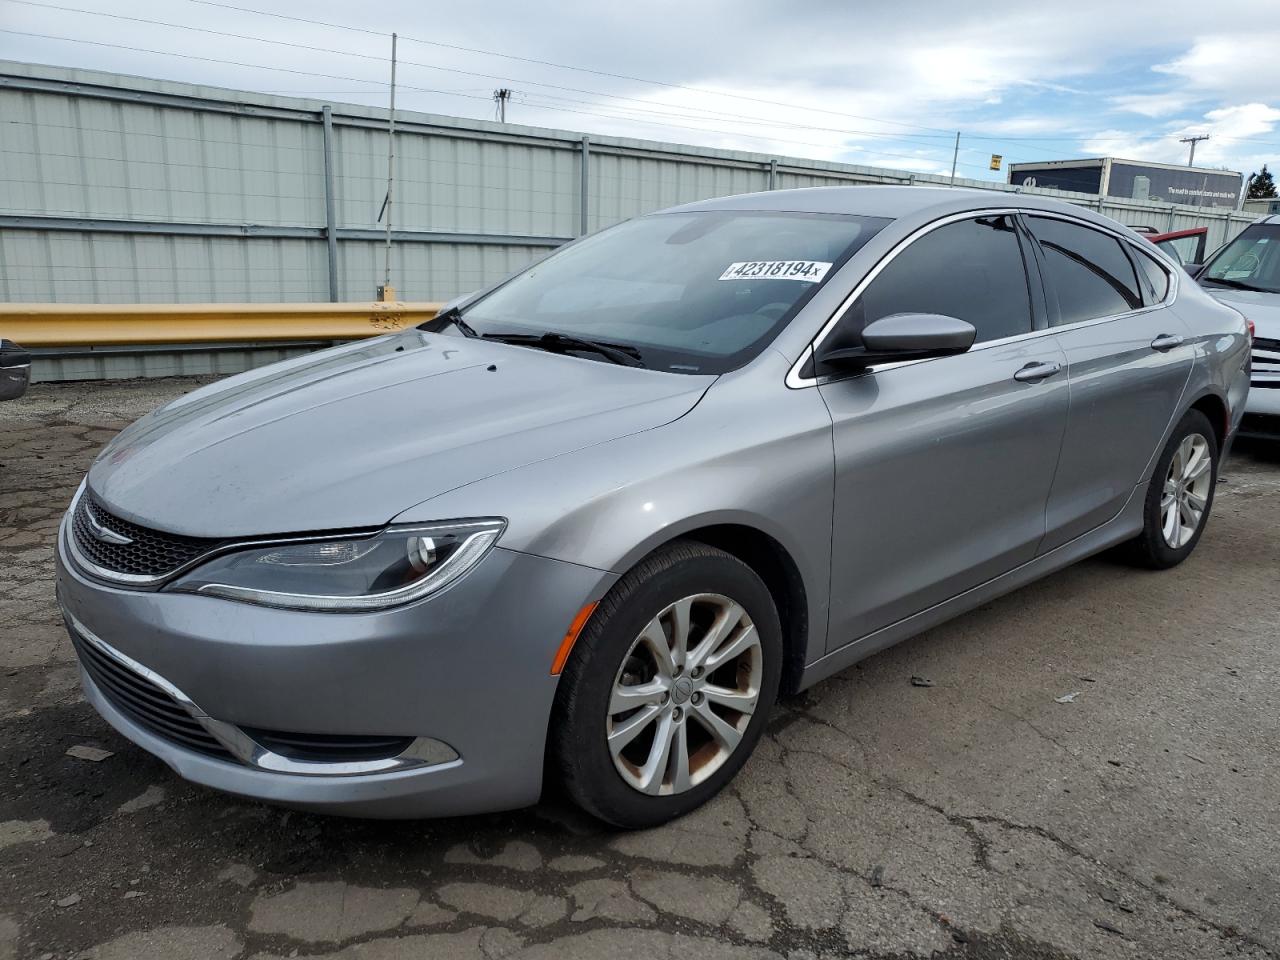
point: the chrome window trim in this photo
(422, 752)
(796, 381)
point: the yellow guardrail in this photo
(117, 324)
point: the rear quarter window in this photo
(1154, 277)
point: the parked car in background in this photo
(592, 520)
(1186, 247)
(15, 370)
(1245, 274)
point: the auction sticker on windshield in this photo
(807, 271)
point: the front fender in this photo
(752, 453)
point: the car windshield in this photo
(698, 292)
(1251, 260)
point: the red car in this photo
(1185, 246)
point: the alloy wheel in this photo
(1186, 491)
(684, 694)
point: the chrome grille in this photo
(143, 702)
(148, 553)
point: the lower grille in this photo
(144, 703)
(165, 712)
(328, 748)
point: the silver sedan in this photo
(593, 520)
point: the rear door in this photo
(943, 466)
(1128, 361)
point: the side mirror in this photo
(905, 336)
(15, 370)
(1195, 269)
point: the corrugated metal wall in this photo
(119, 189)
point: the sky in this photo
(881, 84)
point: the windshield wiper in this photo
(560, 342)
(452, 315)
(1238, 284)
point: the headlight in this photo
(396, 566)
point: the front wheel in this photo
(1180, 495)
(668, 687)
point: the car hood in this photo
(1262, 308)
(351, 437)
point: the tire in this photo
(639, 784)
(1153, 547)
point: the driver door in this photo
(943, 466)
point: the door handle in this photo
(1035, 372)
(1166, 341)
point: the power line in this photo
(234, 63)
(739, 118)
(379, 59)
(561, 66)
(713, 114)
(329, 76)
(432, 66)
(943, 131)
(774, 139)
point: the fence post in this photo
(330, 217)
(582, 197)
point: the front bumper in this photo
(467, 670)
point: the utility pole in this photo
(1191, 160)
(500, 97)
(388, 292)
(954, 157)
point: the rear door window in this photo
(1086, 270)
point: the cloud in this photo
(1237, 66)
(876, 83)
(1232, 132)
(1152, 104)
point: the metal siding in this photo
(164, 152)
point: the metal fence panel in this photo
(117, 189)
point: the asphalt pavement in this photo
(1087, 768)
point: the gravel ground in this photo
(974, 818)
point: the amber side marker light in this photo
(571, 637)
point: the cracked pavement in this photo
(974, 818)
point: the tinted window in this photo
(698, 292)
(1087, 270)
(972, 270)
(1156, 281)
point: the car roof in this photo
(893, 202)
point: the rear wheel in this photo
(668, 687)
(1180, 495)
